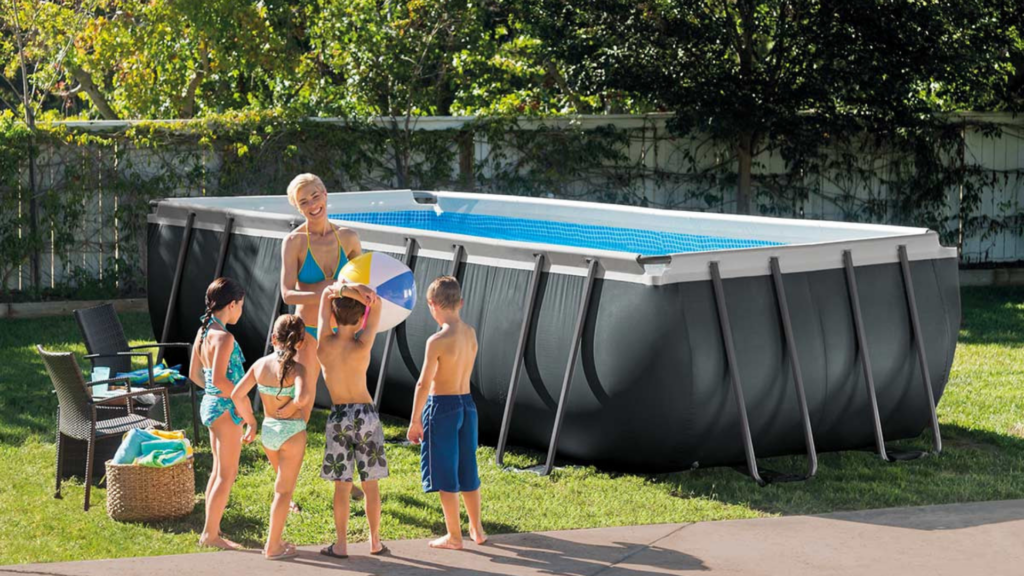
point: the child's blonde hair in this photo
(445, 293)
(301, 181)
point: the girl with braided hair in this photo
(288, 391)
(217, 362)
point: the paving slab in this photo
(961, 539)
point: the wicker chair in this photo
(108, 346)
(76, 411)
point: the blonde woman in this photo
(312, 257)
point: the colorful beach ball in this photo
(392, 280)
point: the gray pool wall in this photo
(650, 392)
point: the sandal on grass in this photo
(329, 551)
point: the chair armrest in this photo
(115, 354)
(123, 397)
(127, 381)
(147, 355)
(164, 345)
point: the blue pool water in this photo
(631, 240)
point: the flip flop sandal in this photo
(329, 551)
(383, 550)
(290, 551)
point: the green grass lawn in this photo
(981, 415)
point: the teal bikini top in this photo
(311, 272)
(284, 392)
(235, 372)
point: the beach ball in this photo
(392, 280)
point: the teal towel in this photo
(131, 446)
(161, 458)
(159, 444)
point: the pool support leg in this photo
(224, 241)
(570, 368)
(268, 344)
(794, 363)
(172, 301)
(734, 376)
(389, 341)
(862, 348)
(908, 287)
(453, 270)
(179, 268)
(513, 384)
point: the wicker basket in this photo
(146, 494)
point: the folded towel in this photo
(169, 434)
(174, 435)
(161, 458)
(131, 446)
(154, 445)
(161, 375)
(138, 444)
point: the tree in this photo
(30, 73)
(784, 73)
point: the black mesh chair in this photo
(108, 346)
(77, 411)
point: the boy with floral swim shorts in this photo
(355, 437)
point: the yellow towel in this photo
(174, 435)
(169, 434)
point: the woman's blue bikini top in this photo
(311, 272)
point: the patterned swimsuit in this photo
(214, 405)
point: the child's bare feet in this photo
(447, 542)
(477, 534)
(285, 551)
(218, 541)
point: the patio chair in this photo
(77, 411)
(108, 346)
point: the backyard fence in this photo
(94, 180)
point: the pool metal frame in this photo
(760, 475)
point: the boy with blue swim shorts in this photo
(444, 417)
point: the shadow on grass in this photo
(993, 316)
(974, 466)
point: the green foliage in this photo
(901, 178)
(793, 76)
(15, 247)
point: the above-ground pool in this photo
(630, 338)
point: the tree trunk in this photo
(33, 205)
(401, 155)
(466, 158)
(89, 87)
(188, 107)
(745, 154)
(30, 121)
(553, 72)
